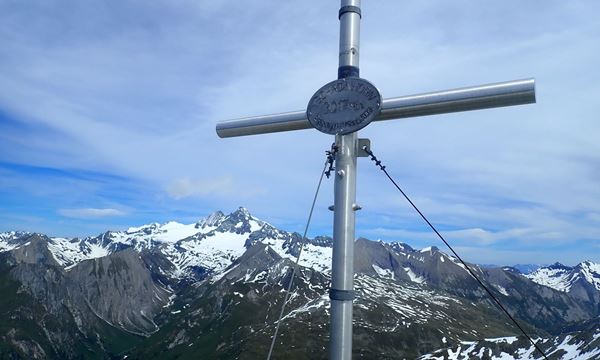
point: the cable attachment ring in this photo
(330, 159)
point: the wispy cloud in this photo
(87, 213)
(186, 187)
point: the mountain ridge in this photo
(206, 272)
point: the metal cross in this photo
(341, 108)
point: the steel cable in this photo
(498, 303)
(294, 269)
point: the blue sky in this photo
(107, 115)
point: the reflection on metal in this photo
(508, 93)
(502, 94)
(344, 106)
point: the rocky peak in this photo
(239, 222)
(240, 214)
(12, 239)
(213, 220)
(34, 251)
(10, 235)
(590, 266)
(145, 229)
(401, 247)
(559, 266)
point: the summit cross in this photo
(341, 108)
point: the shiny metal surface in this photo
(344, 106)
(295, 120)
(342, 267)
(507, 93)
(517, 92)
(349, 36)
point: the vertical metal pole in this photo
(342, 274)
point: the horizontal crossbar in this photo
(517, 92)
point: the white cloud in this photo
(186, 187)
(218, 187)
(89, 213)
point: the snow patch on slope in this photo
(414, 277)
(69, 252)
(313, 256)
(384, 273)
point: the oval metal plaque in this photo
(344, 106)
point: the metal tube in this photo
(349, 35)
(295, 120)
(342, 267)
(517, 92)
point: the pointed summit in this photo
(213, 220)
(559, 266)
(589, 265)
(240, 221)
(241, 212)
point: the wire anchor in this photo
(330, 159)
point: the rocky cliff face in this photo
(88, 299)
(119, 290)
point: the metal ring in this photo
(348, 71)
(349, 8)
(341, 295)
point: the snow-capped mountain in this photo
(565, 278)
(211, 244)
(11, 240)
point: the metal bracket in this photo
(362, 143)
(341, 295)
(355, 207)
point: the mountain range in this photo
(213, 289)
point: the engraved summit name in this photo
(349, 87)
(334, 126)
(344, 105)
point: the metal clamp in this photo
(349, 8)
(341, 295)
(364, 146)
